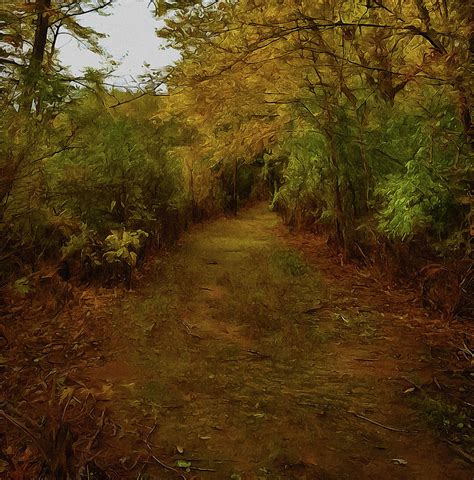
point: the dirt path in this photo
(260, 362)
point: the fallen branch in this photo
(392, 429)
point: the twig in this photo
(189, 332)
(310, 311)
(466, 351)
(344, 319)
(412, 383)
(195, 336)
(157, 460)
(321, 409)
(202, 469)
(134, 464)
(118, 104)
(26, 430)
(313, 404)
(258, 354)
(96, 434)
(461, 452)
(168, 467)
(150, 433)
(392, 429)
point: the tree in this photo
(34, 90)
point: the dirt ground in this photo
(252, 353)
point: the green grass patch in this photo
(321, 335)
(290, 262)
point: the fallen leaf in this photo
(3, 466)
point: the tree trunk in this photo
(194, 209)
(37, 54)
(234, 193)
(340, 221)
(466, 119)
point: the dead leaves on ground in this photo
(52, 417)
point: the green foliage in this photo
(123, 246)
(409, 175)
(108, 170)
(22, 286)
(305, 172)
(122, 178)
(85, 247)
(413, 203)
(449, 418)
(420, 196)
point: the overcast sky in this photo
(131, 40)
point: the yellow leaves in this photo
(247, 140)
(269, 70)
(102, 392)
(27, 7)
(240, 113)
(160, 7)
(66, 395)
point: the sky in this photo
(131, 40)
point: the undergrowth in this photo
(451, 420)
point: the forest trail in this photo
(257, 356)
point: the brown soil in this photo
(250, 353)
